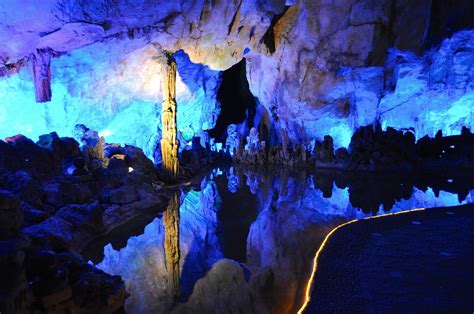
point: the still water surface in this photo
(243, 240)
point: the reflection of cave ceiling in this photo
(321, 67)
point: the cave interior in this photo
(270, 156)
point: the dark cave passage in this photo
(237, 102)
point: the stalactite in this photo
(172, 252)
(42, 75)
(169, 139)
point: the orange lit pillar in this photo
(169, 139)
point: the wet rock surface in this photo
(54, 200)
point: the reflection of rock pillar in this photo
(42, 75)
(169, 139)
(303, 152)
(171, 224)
(240, 149)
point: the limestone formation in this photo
(212, 145)
(92, 145)
(253, 142)
(42, 75)
(324, 150)
(169, 138)
(46, 215)
(204, 139)
(356, 62)
(232, 142)
(233, 180)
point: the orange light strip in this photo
(315, 260)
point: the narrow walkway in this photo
(414, 262)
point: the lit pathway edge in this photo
(326, 239)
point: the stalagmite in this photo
(42, 75)
(232, 141)
(172, 252)
(169, 139)
(253, 141)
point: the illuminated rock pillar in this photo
(42, 75)
(169, 139)
(172, 252)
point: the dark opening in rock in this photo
(237, 102)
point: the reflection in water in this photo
(171, 224)
(244, 240)
(233, 181)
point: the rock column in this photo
(42, 75)
(169, 138)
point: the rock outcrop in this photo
(51, 207)
(326, 74)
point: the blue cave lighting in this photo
(106, 88)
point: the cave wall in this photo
(112, 87)
(317, 67)
(104, 73)
(342, 64)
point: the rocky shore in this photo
(53, 203)
(371, 149)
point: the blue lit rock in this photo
(428, 93)
(319, 68)
(113, 88)
(433, 92)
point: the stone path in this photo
(417, 262)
